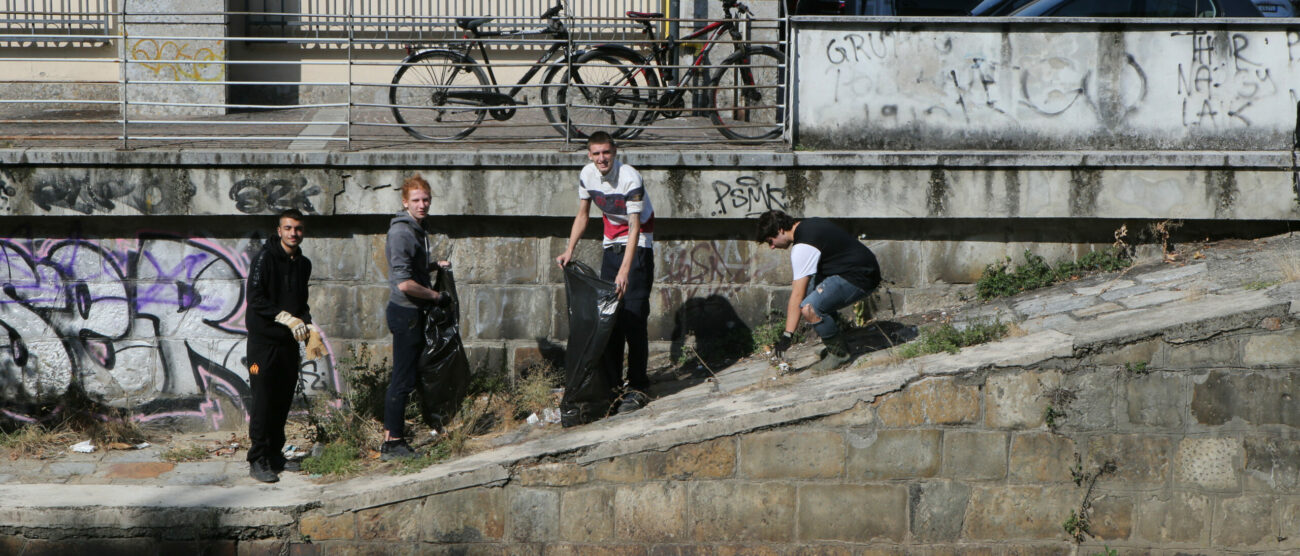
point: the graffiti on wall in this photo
(178, 60)
(257, 196)
(1221, 92)
(155, 322)
(1059, 84)
(746, 196)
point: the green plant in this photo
(435, 454)
(949, 338)
(767, 333)
(337, 458)
(1108, 551)
(533, 392)
(193, 452)
(1259, 285)
(1076, 526)
(1137, 368)
(1079, 524)
(1050, 416)
(1001, 280)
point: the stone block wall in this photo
(1200, 433)
(1188, 432)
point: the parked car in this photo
(1138, 8)
(1275, 8)
(995, 8)
(880, 7)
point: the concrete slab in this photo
(1172, 274)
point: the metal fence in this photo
(51, 20)
(169, 79)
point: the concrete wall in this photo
(1029, 84)
(124, 270)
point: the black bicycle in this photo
(615, 89)
(444, 93)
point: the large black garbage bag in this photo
(444, 369)
(593, 308)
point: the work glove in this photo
(294, 324)
(315, 346)
(443, 301)
(782, 344)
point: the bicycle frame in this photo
(675, 77)
(558, 43)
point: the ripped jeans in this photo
(828, 296)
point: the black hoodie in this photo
(276, 282)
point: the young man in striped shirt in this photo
(628, 260)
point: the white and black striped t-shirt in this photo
(618, 194)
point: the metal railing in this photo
(43, 21)
(178, 80)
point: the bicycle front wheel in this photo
(748, 93)
(602, 91)
(438, 95)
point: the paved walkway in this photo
(1231, 280)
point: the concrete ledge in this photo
(1273, 160)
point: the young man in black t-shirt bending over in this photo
(832, 270)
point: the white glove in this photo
(294, 324)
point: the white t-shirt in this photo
(618, 194)
(804, 259)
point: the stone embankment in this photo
(1173, 384)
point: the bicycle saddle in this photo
(643, 16)
(472, 24)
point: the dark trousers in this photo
(407, 326)
(273, 376)
(630, 328)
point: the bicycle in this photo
(615, 89)
(444, 93)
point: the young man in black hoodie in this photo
(277, 319)
(832, 270)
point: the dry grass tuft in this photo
(1288, 262)
(37, 441)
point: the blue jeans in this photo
(828, 296)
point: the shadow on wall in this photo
(709, 329)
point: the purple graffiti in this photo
(157, 319)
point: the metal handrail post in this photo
(351, 41)
(568, 61)
(123, 34)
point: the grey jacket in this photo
(407, 250)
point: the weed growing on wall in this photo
(946, 337)
(1000, 280)
(1079, 524)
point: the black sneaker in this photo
(632, 401)
(395, 449)
(261, 470)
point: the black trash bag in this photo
(444, 369)
(593, 309)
